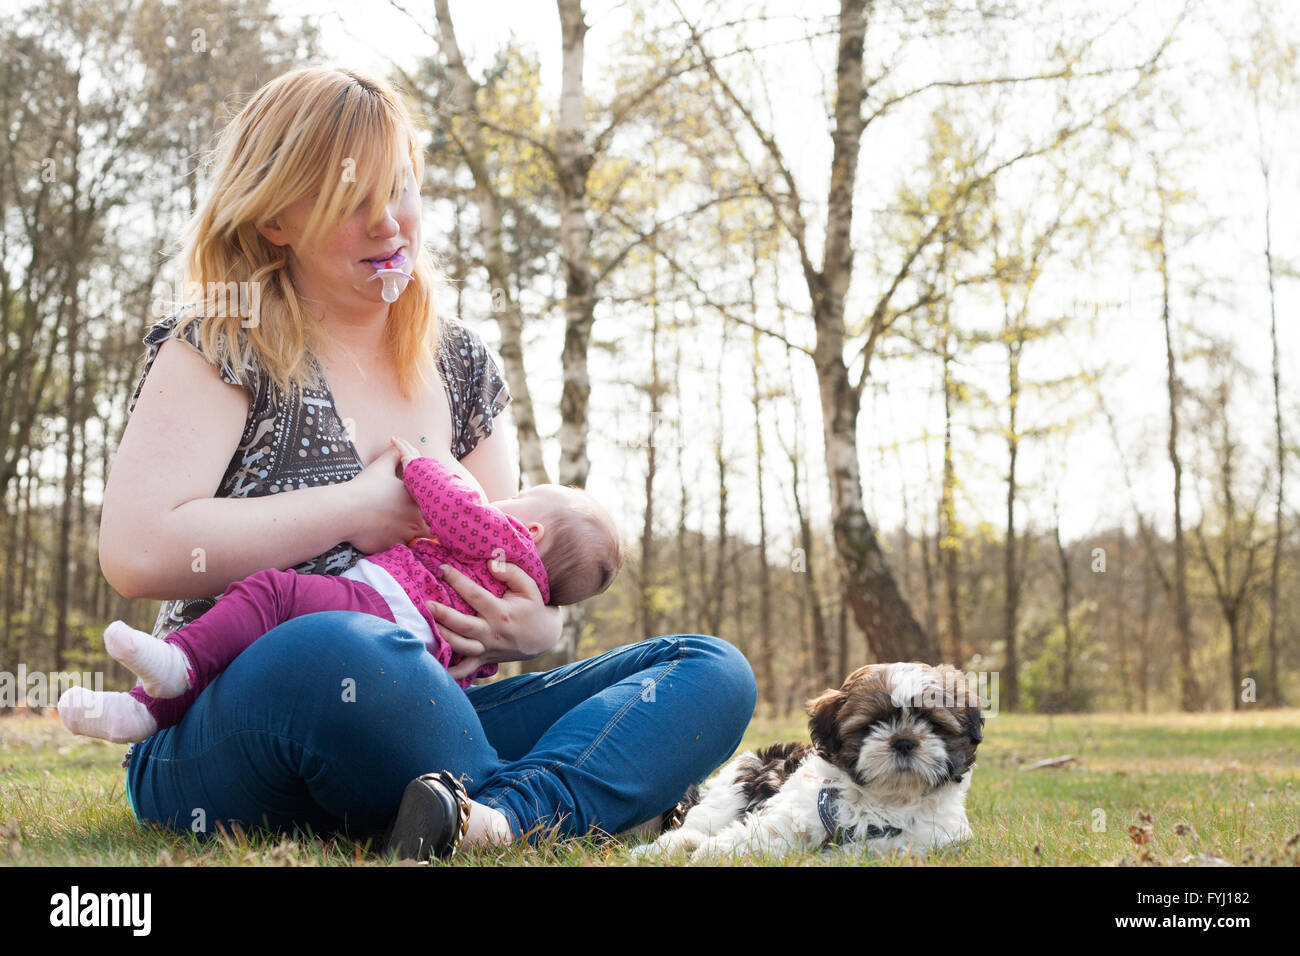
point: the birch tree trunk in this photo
(70, 313)
(1182, 616)
(1120, 607)
(1274, 677)
(687, 609)
(765, 667)
(509, 319)
(573, 163)
(647, 612)
(820, 664)
(949, 529)
(1144, 623)
(1232, 588)
(1011, 576)
(818, 650)
(891, 631)
(1067, 598)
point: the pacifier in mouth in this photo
(389, 272)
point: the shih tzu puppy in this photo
(891, 760)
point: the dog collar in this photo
(835, 835)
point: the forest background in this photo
(945, 330)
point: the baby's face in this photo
(537, 505)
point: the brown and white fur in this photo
(895, 746)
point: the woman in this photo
(286, 411)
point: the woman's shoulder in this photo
(189, 331)
(462, 351)
(458, 340)
(230, 368)
(475, 386)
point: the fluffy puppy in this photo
(892, 754)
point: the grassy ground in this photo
(1143, 790)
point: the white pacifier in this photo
(390, 273)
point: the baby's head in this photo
(576, 539)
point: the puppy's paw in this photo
(646, 851)
(718, 848)
(706, 852)
(670, 843)
(958, 835)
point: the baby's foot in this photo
(161, 667)
(108, 715)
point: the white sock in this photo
(487, 825)
(109, 715)
(160, 666)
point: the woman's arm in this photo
(516, 627)
(163, 536)
(491, 464)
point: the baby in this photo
(565, 541)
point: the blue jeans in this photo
(322, 723)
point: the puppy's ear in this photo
(973, 720)
(823, 721)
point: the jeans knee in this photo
(730, 678)
(300, 649)
(324, 631)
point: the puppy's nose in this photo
(904, 745)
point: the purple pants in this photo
(248, 609)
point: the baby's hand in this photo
(409, 451)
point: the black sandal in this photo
(432, 818)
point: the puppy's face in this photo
(899, 730)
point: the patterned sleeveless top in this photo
(298, 440)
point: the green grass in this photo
(1207, 785)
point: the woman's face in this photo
(334, 269)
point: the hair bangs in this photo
(365, 161)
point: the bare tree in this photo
(766, 668)
(1067, 604)
(885, 618)
(1182, 614)
(1234, 579)
(1268, 73)
(468, 137)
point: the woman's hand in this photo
(383, 510)
(515, 627)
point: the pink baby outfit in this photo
(465, 533)
(395, 584)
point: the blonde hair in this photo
(343, 138)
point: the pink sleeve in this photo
(455, 512)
